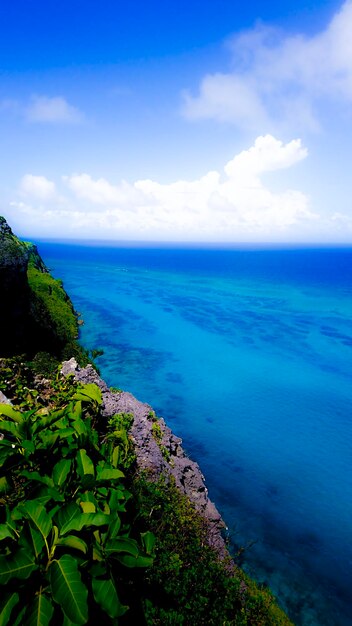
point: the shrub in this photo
(65, 538)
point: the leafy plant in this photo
(119, 438)
(64, 537)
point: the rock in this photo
(3, 399)
(152, 457)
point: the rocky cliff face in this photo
(158, 451)
(14, 291)
(36, 314)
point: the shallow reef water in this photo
(247, 355)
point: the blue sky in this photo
(177, 121)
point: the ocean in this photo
(246, 353)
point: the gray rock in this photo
(187, 474)
(3, 399)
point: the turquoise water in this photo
(247, 355)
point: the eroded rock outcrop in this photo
(158, 450)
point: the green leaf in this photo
(115, 498)
(6, 451)
(131, 561)
(84, 463)
(17, 565)
(79, 427)
(88, 496)
(6, 532)
(32, 540)
(66, 517)
(9, 411)
(71, 541)
(107, 473)
(67, 622)
(71, 518)
(88, 507)
(114, 527)
(148, 541)
(45, 494)
(37, 515)
(46, 480)
(4, 485)
(37, 540)
(9, 427)
(9, 602)
(43, 422)
(39, 612)
(122, 544)
(87, 392)
(93, 519)
(115, 456)
(60, 471)
(48, 438)
(19, 619)
(28, 445)
(105, 595)
(68, 590)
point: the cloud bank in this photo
(279, 81)
(231, 206)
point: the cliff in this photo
(36, 315)
(84, 469)
(15, 293)
(158, 451)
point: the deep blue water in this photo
(247, 355)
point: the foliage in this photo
(118, 435)
(65, 538)
(158, 436)
(187, 582)
(55, 324)
(37, 315)
(53, 309)
(45, 364)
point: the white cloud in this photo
(267, 155)
(37, 187)
(231, 206)
(279, 80)
(100, 191)
(52, 110)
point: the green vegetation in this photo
(65, 538)
(37, 318)
(158, 436)
(83, 536)
(73, 508)
(55, 322)
(53, 309)
(187, 583)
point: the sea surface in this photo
(247, 355)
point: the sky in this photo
(177, 120)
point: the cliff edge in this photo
(36, 314)
(158, 450)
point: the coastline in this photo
(164, 456)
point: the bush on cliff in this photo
(67, 547)
(62, 446)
